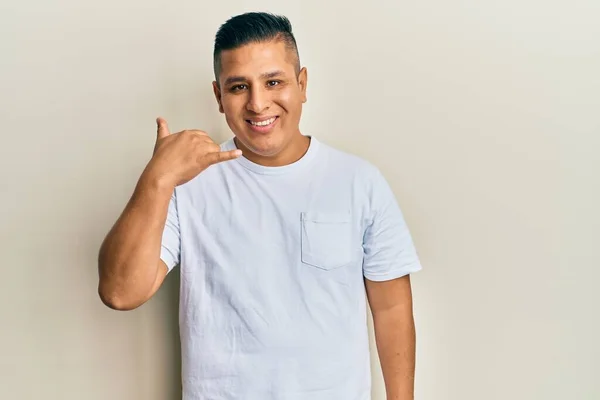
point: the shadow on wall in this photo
(161, 348)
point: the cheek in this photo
(288, 99)
(232, 105)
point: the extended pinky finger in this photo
(220, 156)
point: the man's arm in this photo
(391, 306)
(129, 265)
(129, 262)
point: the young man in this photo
(278, 238)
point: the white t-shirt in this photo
(272, 300)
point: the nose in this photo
(258, 101)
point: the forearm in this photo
(129, 257)
(396, 339)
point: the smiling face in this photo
(261, 96)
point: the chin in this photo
(263, 150)
(264, 146)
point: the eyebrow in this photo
(266, 75)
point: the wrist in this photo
(155, 181)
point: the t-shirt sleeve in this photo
(171, 240)
(389, 251)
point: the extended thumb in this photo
(162, 129)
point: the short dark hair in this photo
(253, 27)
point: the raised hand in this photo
(179, 157)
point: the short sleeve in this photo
(389, 251)
(171, 239)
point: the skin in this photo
(256, 81)
(395, 338)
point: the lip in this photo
(263, 129)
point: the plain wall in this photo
(484, 116)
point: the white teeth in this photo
(263, 123)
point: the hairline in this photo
(290, 45)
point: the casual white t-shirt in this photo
(272, 260)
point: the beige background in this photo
(484, 116)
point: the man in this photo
(277, 236)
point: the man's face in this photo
(261, 96)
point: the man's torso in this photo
(272, 301)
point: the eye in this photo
(237, 88)
(273, 83)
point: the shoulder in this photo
(348, 164)
(365, 177)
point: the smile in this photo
(266, 122)
(262, 126)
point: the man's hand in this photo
(181, 156)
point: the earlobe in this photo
(217, 93)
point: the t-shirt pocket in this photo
(326, 239)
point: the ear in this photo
(302, 82)
(217, 92)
